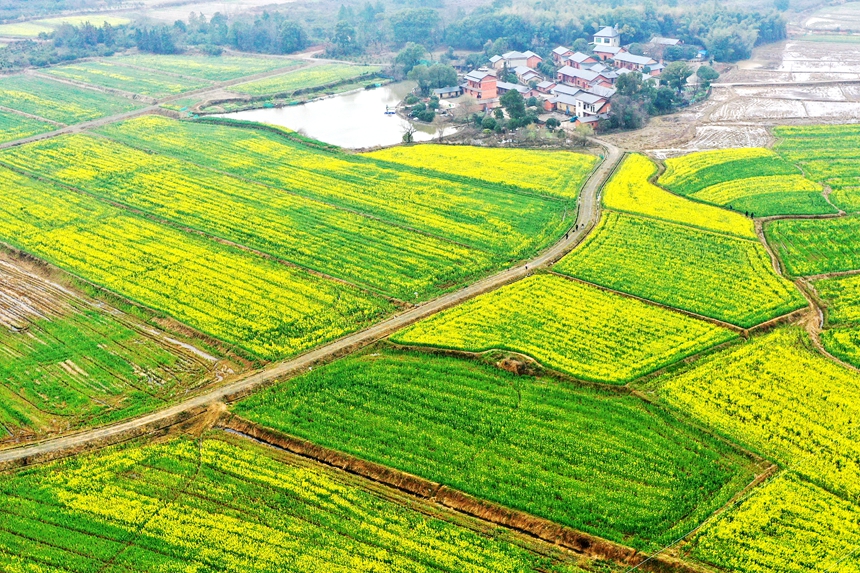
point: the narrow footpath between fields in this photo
(588, 214)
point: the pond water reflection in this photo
(353, 120)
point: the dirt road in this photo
(587, 216)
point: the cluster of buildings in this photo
(583, 85)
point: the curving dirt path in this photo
(588, 213)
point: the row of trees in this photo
(638, 97)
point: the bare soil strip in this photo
(577, 541)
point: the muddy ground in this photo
(792, 82)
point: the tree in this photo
(409, 56)
(421, 24)
(630, 85)
(675, 75)
(442, 75)
(435, 76)
(664, 99)
(344, 39)
(731, 43)
(707, 75)
(626, 113)
(514, 104)
(488, 123)
(291, 37)
(552, 124)
(675, 53)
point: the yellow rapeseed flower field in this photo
(679, 169)
(573, 327)
(554, 173)
(630, 191)
(780, 397)
(269, 309)
(224, 504)
(788, 525)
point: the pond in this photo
(353, 120)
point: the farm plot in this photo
(829, 154)
(495, 218)
(570, 326)
(306, 79)
(814, 247)
(788, 525)
(597, 460)
(106, 74)
(761, 185)
(365, 251)
(629, 191)
(758, 109)
(691, 174)
(711, 274)
(59, 102)
(214, 68)
(841, 296)
(780, 397)
(553, 173)
(226, 504)
(268, 309)
(15, 126)
(68, 361)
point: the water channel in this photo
(353, 120)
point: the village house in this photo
(481, 84)
(545, 86)
(659, 41)
(448, 92)
(579, 60)
(578, 78)
(608, 36)
(504, 87)
(515, 59)
(560, 54)
(633, 62)
(607, 52)
(590, 104)
(525, 75)
(497, 62)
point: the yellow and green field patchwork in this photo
(305, 79)
(106, 74)
(630, 191)
(597, 460)
(16, 126)
(841, 299)
(816, 246)
(268, 309)
(214, 68)
(69, 361)
(508, 223)
(362, 250)
(223, 503)
(780, 397)
(59, 102)
(553, 173)
(711, 274)
(752, 180)
(570, 326)
(787, 525)
(829, 154)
